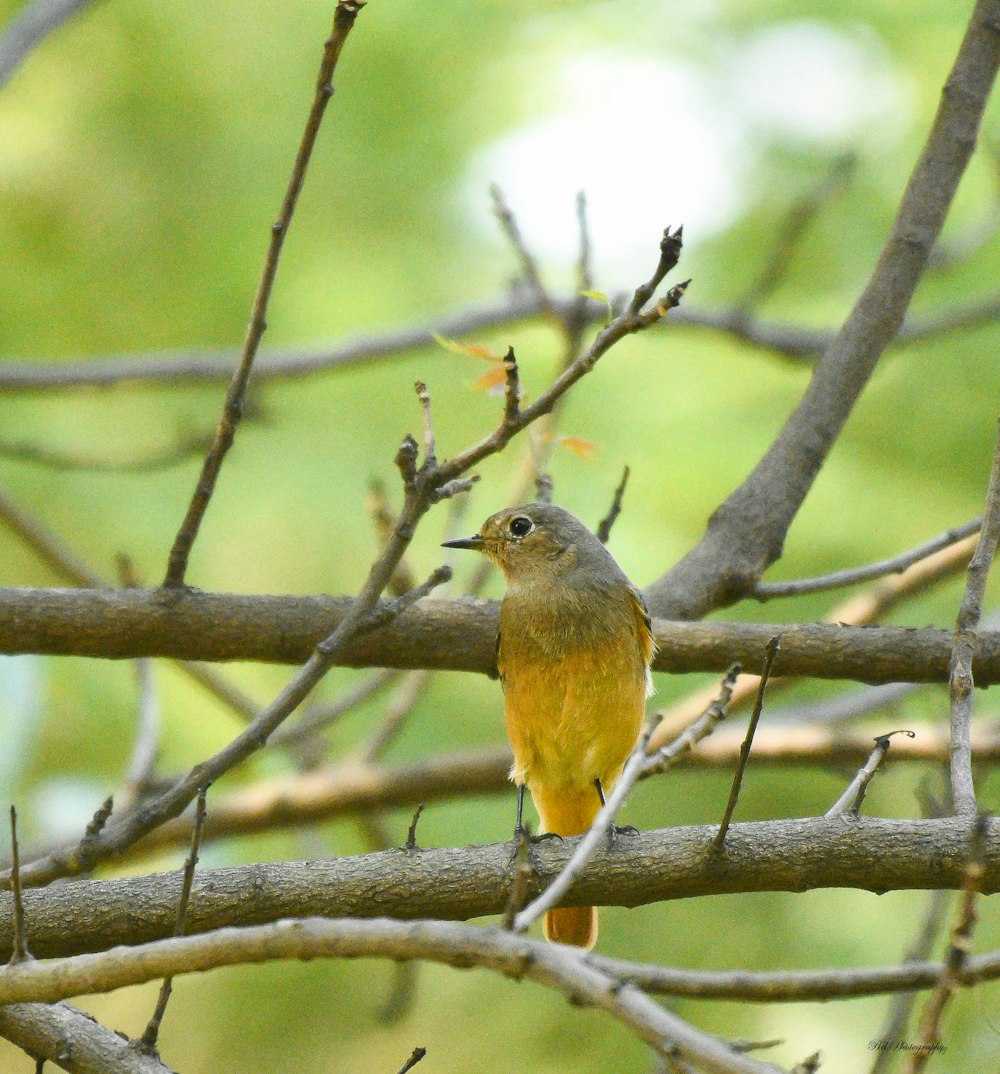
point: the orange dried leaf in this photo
(582, 449)
(470, 350)
(491, 381)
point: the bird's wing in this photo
(645, 625)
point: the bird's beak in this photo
(475, 542)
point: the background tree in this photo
(146, 155)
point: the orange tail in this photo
(576, 925)
(567, 811)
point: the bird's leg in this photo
(616, 829)
(521, 831)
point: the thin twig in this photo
(411, 832)
(418, 1054)
(324, 715)
(147, 1042)
(961, 683)
(383, 519)
(852, 798)
(603, 531)
(771, 652)
(958, 952)
(232, 411)
(663, 757)
(851, 576)
(523, 874)
(21, 952)
(529, 266)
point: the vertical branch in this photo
(958, 951)
(147, 1042)
(232, 411)
(21, 952)
(960, 683)
(741, 765)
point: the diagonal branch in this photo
(746, 533)
(232, 411)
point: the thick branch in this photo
(786, 855)
(552, 965)
(747, 532)
(73, 1040)
(455, 635)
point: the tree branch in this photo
(747, 532)
(455, 635)
(460, 946)
(73, 1040)
(195, 365)
(783, 855)
(232, 411)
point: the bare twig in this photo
(770, 653)
(662, 757)
(850, 801)
(603, 531)
(963, 792)
(323, 715)
(32, 25)
(344, 17)
(529, 266)
(147, 1042)
(853, 575)
(418, 1054)
(20, 952)
(958, 952)
(383, 519)
(411, 832)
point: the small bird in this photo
(574, 651)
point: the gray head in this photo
(536, 541)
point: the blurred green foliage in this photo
(144, 151)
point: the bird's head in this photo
(533, 542)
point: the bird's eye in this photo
(521, 526)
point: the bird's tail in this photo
(568, 811)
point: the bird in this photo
(574, 650)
